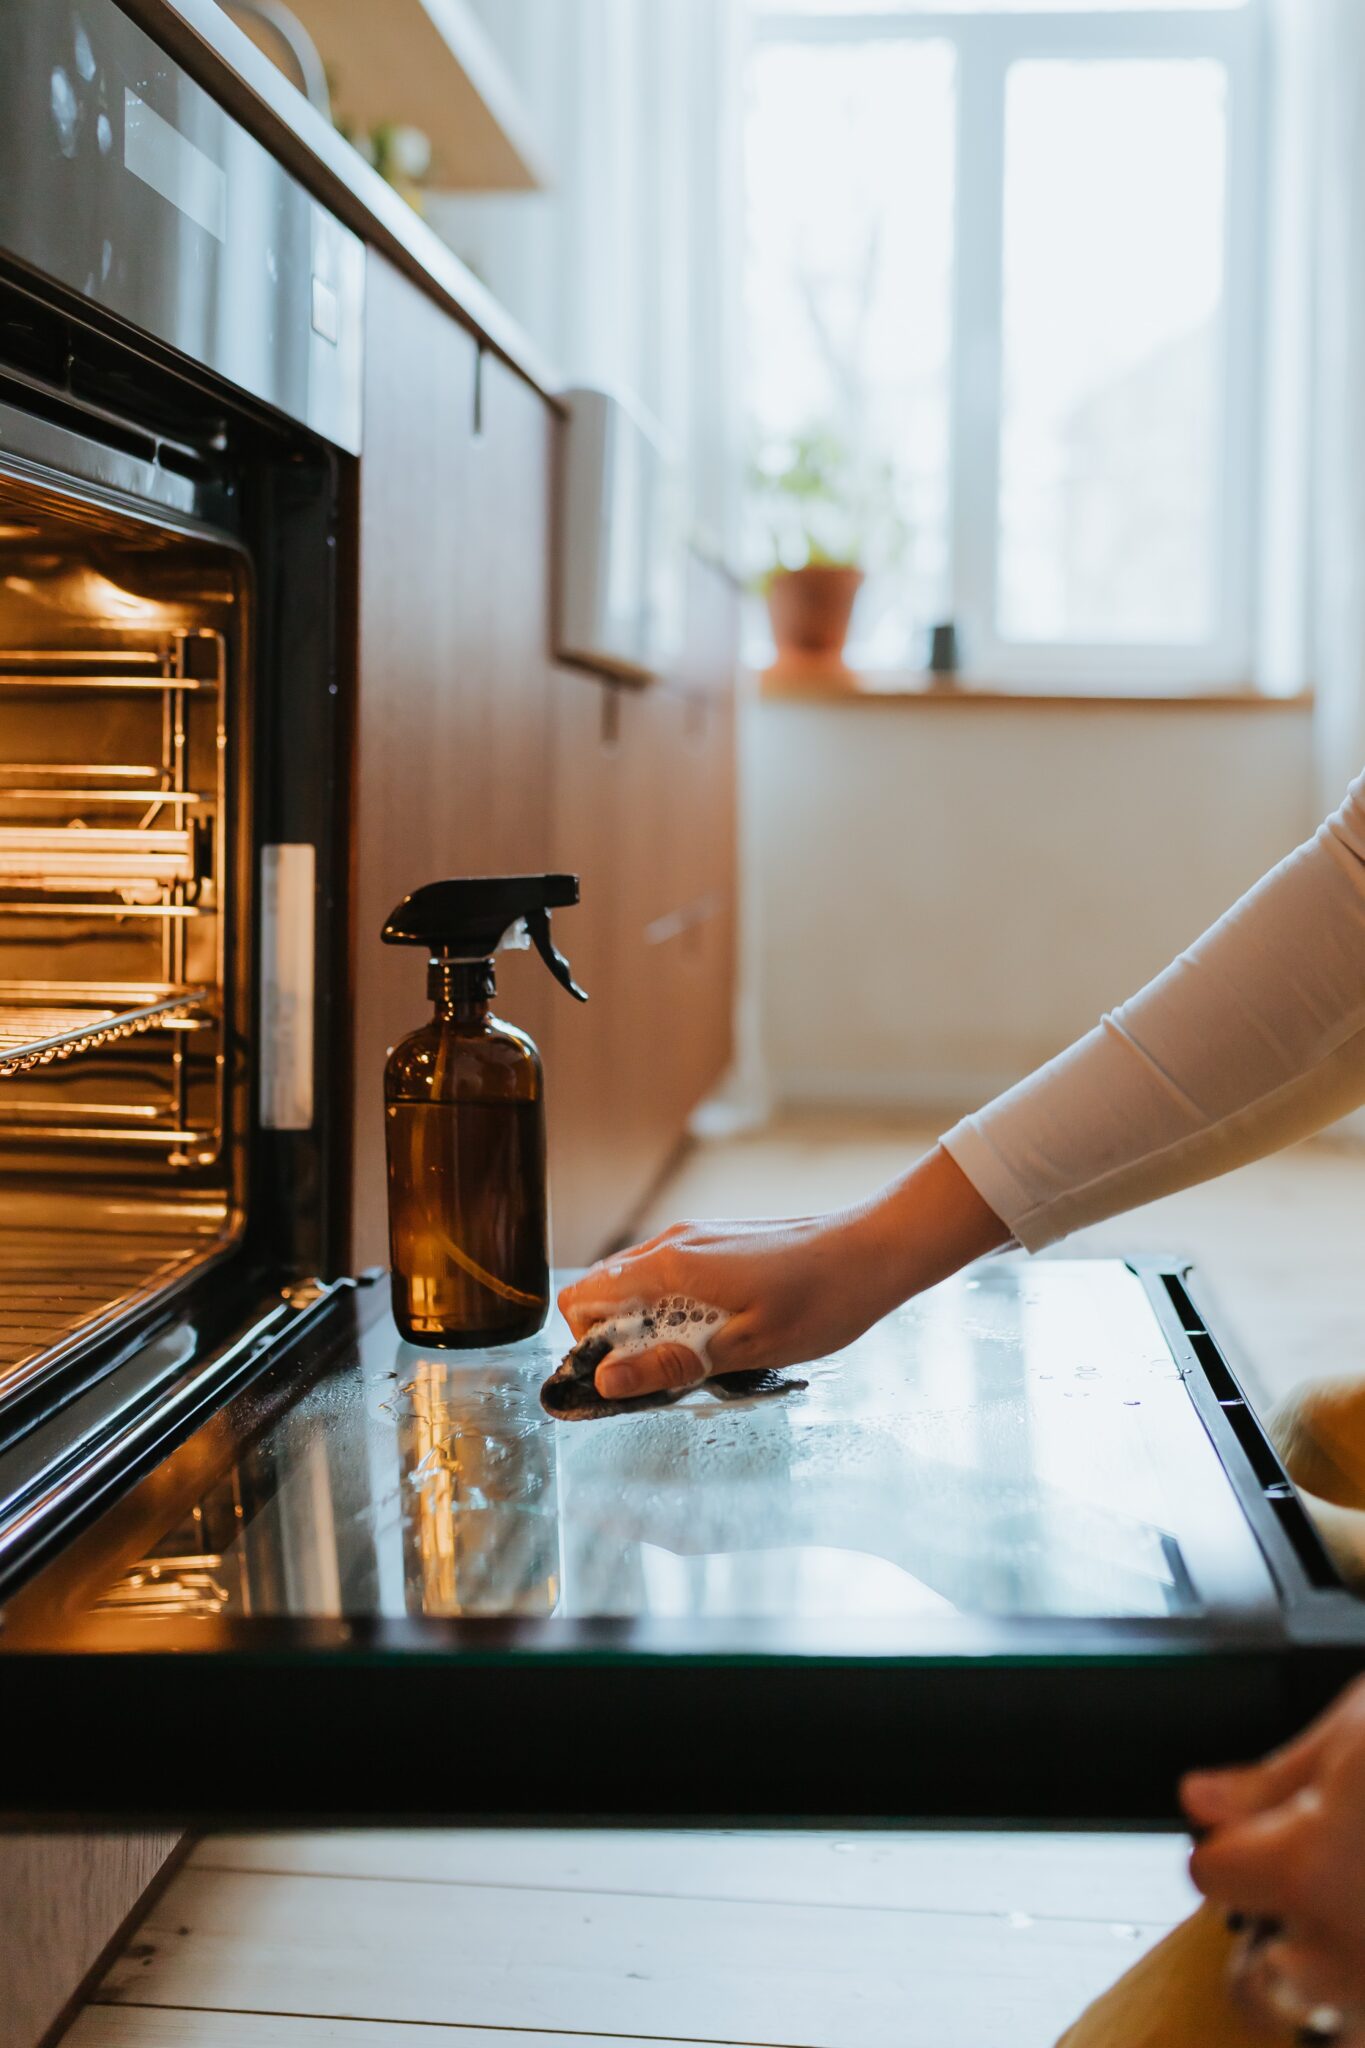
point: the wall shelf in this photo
(428, 63)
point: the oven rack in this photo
(130, 842)
(38, 1027)
(114, 668)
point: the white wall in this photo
(944, 895)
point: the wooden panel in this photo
(812, 1977)
(1111, 1878)
(63, 1898)
(644, 795)
(452, 739)
(843, 686)
(429, 63)
(620, 1090)
(475, 757)
(582, 1092)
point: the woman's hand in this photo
(1284, 1844)
(796, 1287)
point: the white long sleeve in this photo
(1252, 1039)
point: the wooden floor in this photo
(931, 1941)
(505, 1940)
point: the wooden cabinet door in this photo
(453, 673)
(65, 1899)
(594, 1043)
(644, 811)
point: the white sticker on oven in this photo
(288, 938)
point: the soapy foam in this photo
(677, 1319)
(571, 1395)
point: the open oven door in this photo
(1020, 1554)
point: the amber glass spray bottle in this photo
(464, 1113)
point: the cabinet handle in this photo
(480, 357)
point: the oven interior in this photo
(123, 707)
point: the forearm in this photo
(919, 1229)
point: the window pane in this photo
(849, 166)
(1111, 396)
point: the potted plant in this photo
(826, 512)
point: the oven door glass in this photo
(998, 1517)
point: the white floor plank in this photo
(126, 2026)
(802, 1976)
(1062, 1876)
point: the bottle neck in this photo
(461, 989)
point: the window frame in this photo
(987, 44)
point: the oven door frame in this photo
(293, 1198)
(1023, 1722)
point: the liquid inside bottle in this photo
(465, 1128)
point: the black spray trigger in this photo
(538, 925)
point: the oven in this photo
(180, 336)
(1021, 1554)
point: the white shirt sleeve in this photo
(1252, 1039)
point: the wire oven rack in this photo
(35, 1030)
(108, 843)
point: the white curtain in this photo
(1312, 624)
(1338, 523)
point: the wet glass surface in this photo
(1016, 1443)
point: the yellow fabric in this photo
(1319, 1432)
(1176, 1997)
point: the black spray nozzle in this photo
(468, 918)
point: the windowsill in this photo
(833, 683)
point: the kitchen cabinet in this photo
(64, 1901)
(475, 754)
(432, 67)
(644, 811)
(453, 681)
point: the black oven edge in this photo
(208, 1740)
(1086, 1724)
(1316, 1608)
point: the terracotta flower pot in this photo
(810, 610)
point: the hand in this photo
(1284, 1844)
(796, 1287)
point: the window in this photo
(1001, 323)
